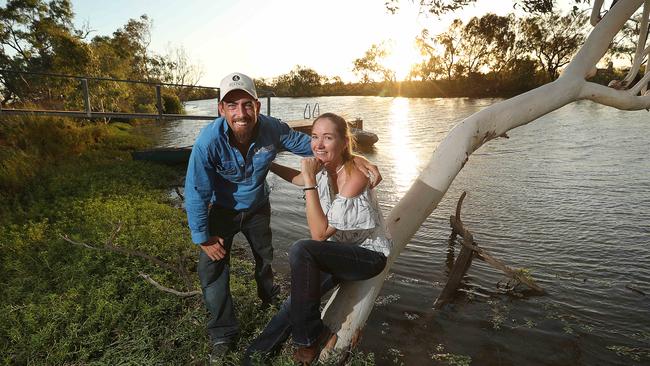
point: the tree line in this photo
(488, 56)
(38, 36)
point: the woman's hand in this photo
(309, 168)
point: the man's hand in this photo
(368, 169)
(214, 248)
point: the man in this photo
(226, 192)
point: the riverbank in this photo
(65, 303)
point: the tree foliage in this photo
(370, 67)
(300, 81)
(38, 36)
(553, 39)
(440, 7)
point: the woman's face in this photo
(326, 143)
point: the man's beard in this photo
(243, 136)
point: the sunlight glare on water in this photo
(566, 197)
(405, 160)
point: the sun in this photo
(402, 51)
(402, 55)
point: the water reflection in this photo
(405, 160)
(567, 202)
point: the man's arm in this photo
(293, 141)
(199, 188)
(368, 169)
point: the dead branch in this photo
(110, 247)
(167, 289)
(464, 260)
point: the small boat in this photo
(164, 155)
(364, 139)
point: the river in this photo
(566, 197)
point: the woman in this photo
(348, 240)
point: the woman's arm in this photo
(316, 219)
(289, 174)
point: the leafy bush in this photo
(172, 104)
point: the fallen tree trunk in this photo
(348, 309)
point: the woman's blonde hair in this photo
(343, 129)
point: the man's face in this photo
(241, 111)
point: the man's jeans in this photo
(215, 275)
(316, 268)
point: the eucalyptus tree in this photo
(350, 306)
(38, 36)
(300, 81)
(486, 40)
(451, 41)
(552, 39)
(370, 66)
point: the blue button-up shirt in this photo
(217, 172)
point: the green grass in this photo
(63, 304)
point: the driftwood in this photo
(179, 268)
(468, 251)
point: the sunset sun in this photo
(402, 55)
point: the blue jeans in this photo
(215, 275)
(316, 268)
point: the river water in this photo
(566, 197)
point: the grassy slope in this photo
(64, 304)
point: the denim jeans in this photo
(278, 330)
(215, 275)
(316, 268)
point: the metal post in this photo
(218, 101)
(159, 105)
(84, 88)
(268, 105)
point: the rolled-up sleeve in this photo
(199, 188)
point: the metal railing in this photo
(310, 113)
(89, 113)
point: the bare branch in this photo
(464, 260)
(641, 85)
(108, 246)
(66, 238)
(614, 98)
(640, 46)
(167, 289)
(595, 12)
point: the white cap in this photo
(237, 81)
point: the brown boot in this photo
(307, 355)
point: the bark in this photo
(349, 308)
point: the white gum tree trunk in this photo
(349, 308)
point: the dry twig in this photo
(110, 247)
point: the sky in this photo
(267, 38)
